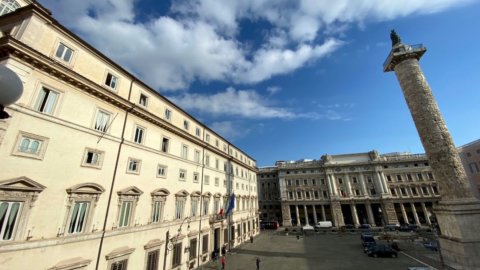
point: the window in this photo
(399, 178)
(207, 137)
(316, 195)
(157, 211)
(424, 190)
(78, 217)
(419, 176)
(290, 195)
(30, 145)
(46, 101)
(9, 219)
(184, 153)
(101, 121)
(207, 180)
(193, 248)
(133, 166)
(179, 207)
(305, 182)
(325, 194)
(217, 181)
(119, 265)
(111, 80)
(125, 214)
(92, 158)
(161, 171)
(152, 260)
(196, 156)
(409, 177)
(354, 179)
(430, 176)
(414, 191)
(182, 175)
(217, 164)
(205, 244)
(394, 193)
(225, 147)
(7, 6)
(64, 53)
(207, 160)
(217, 143)
(297, 182)
(372, 191)
(197, 132)
(206, 203)
(403, 191)
(299, 195)
(168, 114)
(340, 180)
(138, 136)
(194, 206)
(177, 255)
(165, 143)
(143, 100)
(389, 178)
(435, 190)
(186, 124)
(369, 179)
(289, 182)
(357, 192)
(195, 177)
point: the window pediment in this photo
(207, 194)
(182, 193)
(86, 188)
(74, 263)
(160, 192)
(22, 183)
(217, 195)
(195, 194)
(132, 191)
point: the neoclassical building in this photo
(99, 171)
(362, 188)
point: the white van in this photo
(324, 225)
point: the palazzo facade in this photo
(99, 171)
(361, 188)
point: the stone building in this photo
(470, 157)
(363, 188)
(99, 171)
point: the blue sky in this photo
(286, 80)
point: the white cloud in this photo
(229, 129)
(272, 90)
(201, 41)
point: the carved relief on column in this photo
(337, 213)
(287, 216)
(390, 214)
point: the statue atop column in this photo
(395, 38)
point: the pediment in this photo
(133, 190)
(160, 192)
(217, 195)
(182, 193)
(207, 194)
(86, 188)
(195, 194)
(22, 183)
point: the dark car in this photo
(347, 227)
(433, 245)
(408, 228)
(365, 227)
(392, 227)
(382, 251)
(368, 245)
(367, 239)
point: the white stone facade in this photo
(99, 171)
(363, 188)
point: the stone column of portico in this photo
(349, 185)
(370, 218)
(314, 215)
(384, 183)
(404, 213)
(425, 213)
(363, 185)
(324, 218)
(306, 214)
(458, 211)
(378, 180)
(297, 215)
(353, 209)
(415, 215)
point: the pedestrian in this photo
(251, 238)
(224, 250)
(257, 261)
(223, 262)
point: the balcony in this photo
(215, 218)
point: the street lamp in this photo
(11, 89)
(172, 241)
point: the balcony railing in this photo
(216, 218)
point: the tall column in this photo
(363, 185)
(324, 218)
(404, 213)
(314, 215)
(286, 215)
(306, 214)
(297, 215)
(458, 211)
(371, 220)
(331, 180)
(425, 213)
(353, 209)
(415, 215)
(349, 185)
(384, 182)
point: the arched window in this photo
(7, 6)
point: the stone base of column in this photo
(390, 214)
(337, 213)
(287, 220)
(459, 240)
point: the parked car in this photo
(365, 226)
(323, 225)
(408, 228)
(367, 239)
(348, 227)
(392, 227)
(368, 245)
(382, 251)
(432, 245)
(307, 228)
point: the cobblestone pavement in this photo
(315, 251)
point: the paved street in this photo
(316, 251)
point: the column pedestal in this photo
(337, 214)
